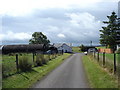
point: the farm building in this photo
(87, 48)
(1, 49)
(118, 46)
(66, 48)
(26, 48)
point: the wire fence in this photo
(109, 61)
(11, 62)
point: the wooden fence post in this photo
(33, 57)
(118, 70)
(94, 54)
(17, 62)
(62, 52)
(98, 56)
(114, 63)
(103, 58)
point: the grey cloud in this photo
(54, 21)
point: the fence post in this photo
(17, 62)
(98, 56)
(103, 58)
(94, 54)
(118, 70)
(114, 63)
(33, 56)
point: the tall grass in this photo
(25, 64)
(98, 78)
(38, 61)
(25, 60)
(8, 65)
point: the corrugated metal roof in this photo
(23, 48)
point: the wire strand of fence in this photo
(14, 62)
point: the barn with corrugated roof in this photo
(26, 48)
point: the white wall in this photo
(60, 48)
(65, 48)
(118, 46)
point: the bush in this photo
(24, 64)
(43, 59)
(48, 57)
(11, 54)
(38, 60)
(83, 48)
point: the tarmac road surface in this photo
(70, 74)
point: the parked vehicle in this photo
(92, 50)
(85, 53)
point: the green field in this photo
(76, 49)
(101, 47)
(98, 77)
(27, 79)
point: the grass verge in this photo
(27, 79)
(98, 78)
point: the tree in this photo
(38, 38)
(82, 47)
(108, 34)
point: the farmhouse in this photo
(1, 49)
(66, 48)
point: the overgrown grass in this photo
(9, 63)
(27, 79)
(98, 78)
(76, 49)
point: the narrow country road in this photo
(70, 74)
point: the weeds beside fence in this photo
(16, 63)
(109, 61)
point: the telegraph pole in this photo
(90, 43)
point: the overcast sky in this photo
(70, 21)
